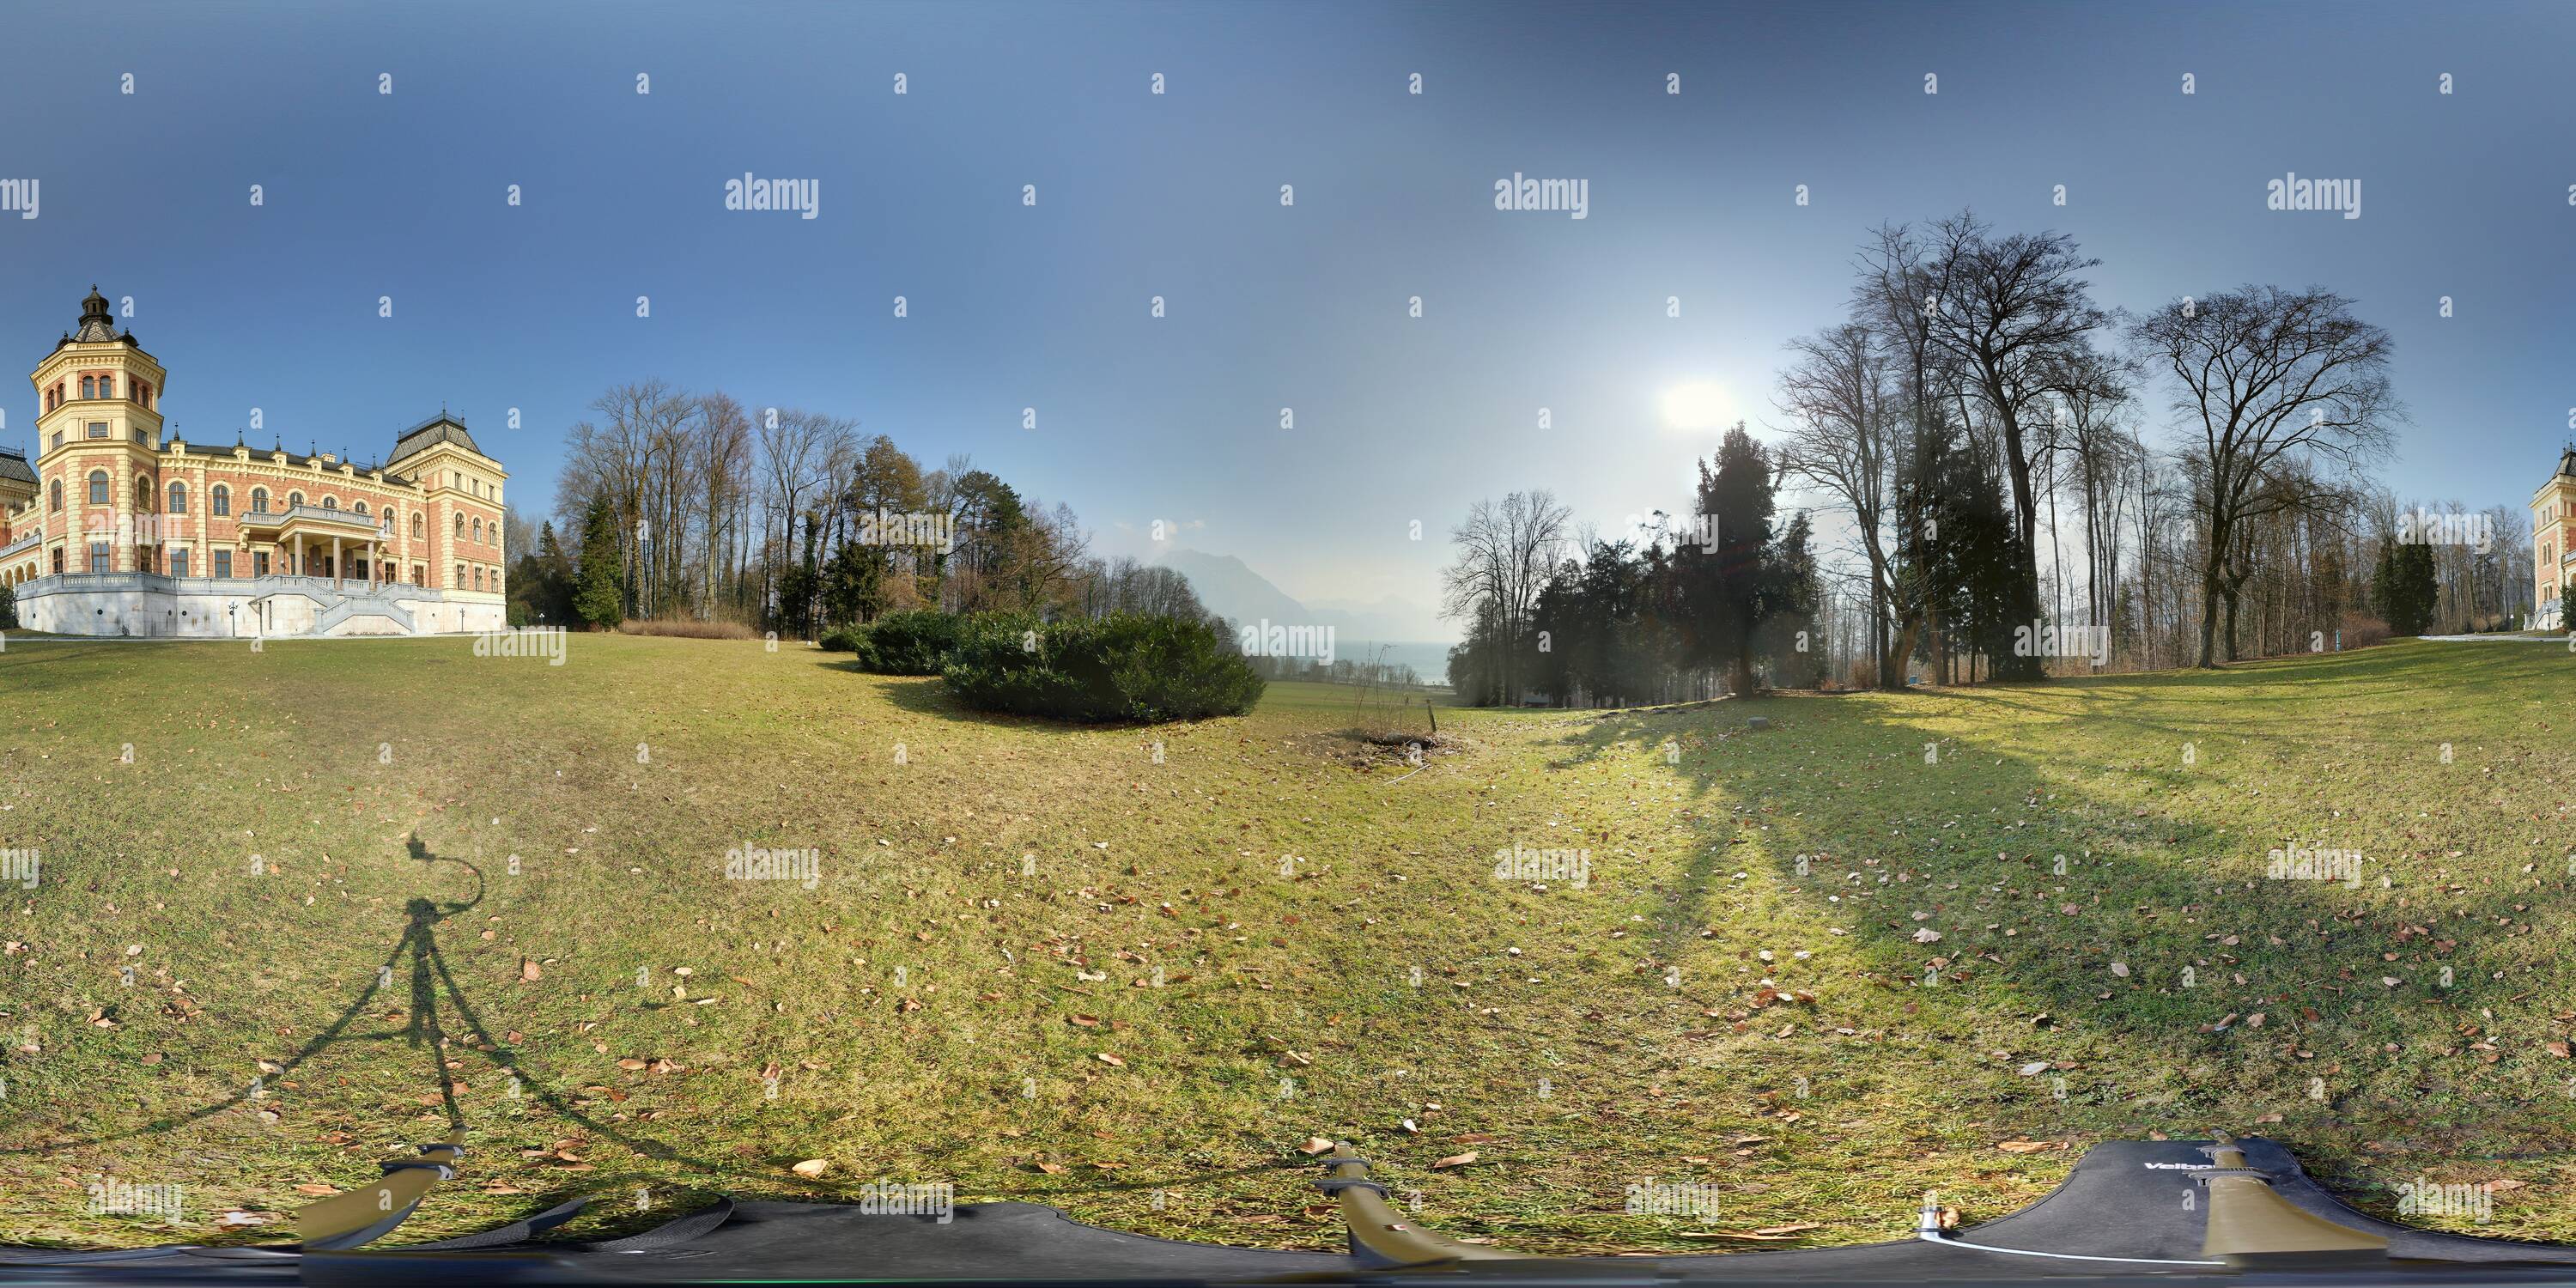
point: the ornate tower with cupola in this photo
(98, 445)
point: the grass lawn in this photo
(415, 881)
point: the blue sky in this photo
(1396, 418)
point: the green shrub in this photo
(915, 643)
(1127, 666)
(842, 639)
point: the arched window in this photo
(419, 528)
(178, 498)
(478, 530)
(362, 507)
(222, 498)
(294, 499)
(330, 503)
(98, 487)
(259, 500)
(88, 387)
(460, 527)
(143, 495)
(58, 494)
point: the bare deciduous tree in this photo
(1842, 401)
(2014, 312)
(1506, 552)
(2271, 377)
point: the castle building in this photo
(2553, 522)
(120, 527)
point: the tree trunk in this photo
(1894, 659)
(2227, 600)
(2208, 613)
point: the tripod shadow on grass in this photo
(429, 978)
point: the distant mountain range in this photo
(1231, 589)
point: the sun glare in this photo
(1701, 404)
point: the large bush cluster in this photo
(1126, 666)
(914, 643)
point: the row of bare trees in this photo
(779, 518)
(1975, 384)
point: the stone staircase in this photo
(362, 606)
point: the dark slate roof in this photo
(441, 428)
(97, 324)
(13, 465)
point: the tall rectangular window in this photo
(179, 562)
(223, 563)
(98, 556)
